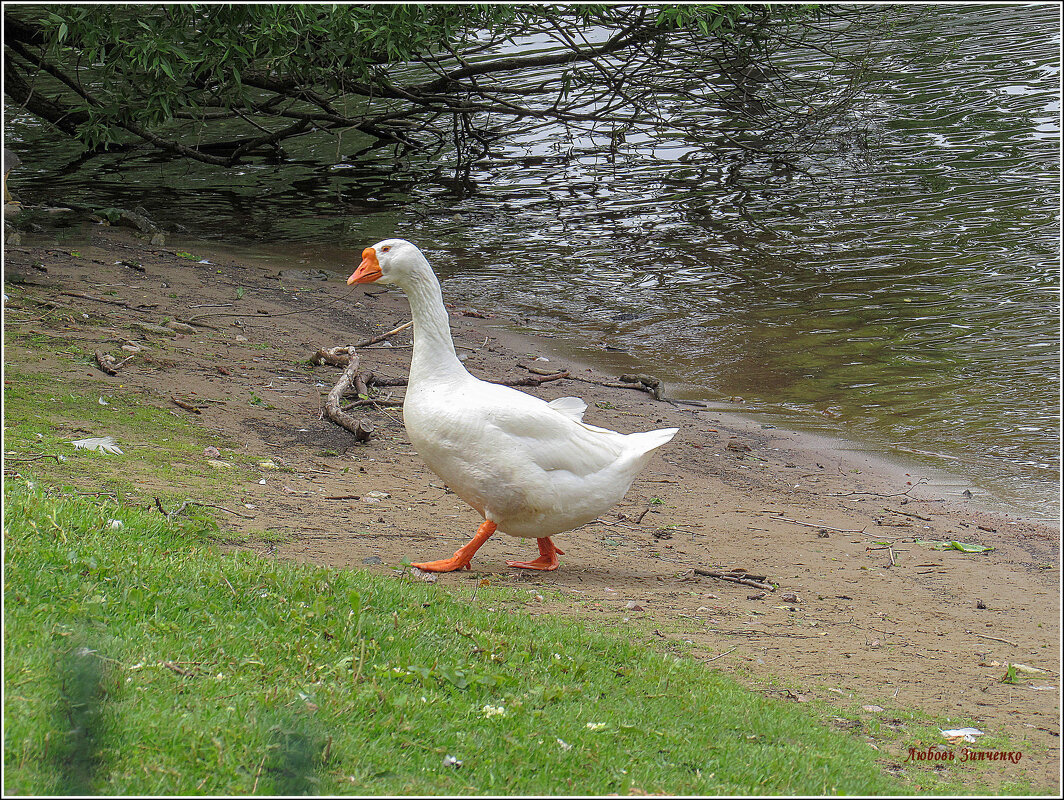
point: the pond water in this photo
(905, 294)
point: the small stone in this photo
(158, 330)
(979, 603)
(211, 452)
(632, 605)
(372, 560)
(180, 327)
(790, 597)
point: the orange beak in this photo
(368, 271)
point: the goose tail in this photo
(644, 443)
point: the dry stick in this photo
(533, 380)
(84, 296)
(734, 578)
(720, 656)
(907, 514)
(222, 508)
(361, 428)
(183, 404)
(821, 527)
(994, 639)
(258, 772)
(373, 402)
(384, 336)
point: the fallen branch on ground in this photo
(84, 296)
(821, 527)
(734, 576)
(360, 428)
(184, 404)
(383, 336)
(186, 503)
(533, 380)
(58, 459)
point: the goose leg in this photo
(548, 557)
(461, 559)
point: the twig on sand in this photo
(721, 655)
(84, 296)
(820, 527)
(735, 576)
(993, 638)
(184, 404)
(383, 336)
(533, 380)
(920, 482)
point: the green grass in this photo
(162, 451)
(139, 660)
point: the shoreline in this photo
(890, 463)
(904, 627)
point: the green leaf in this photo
(970, 548)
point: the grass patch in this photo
(141, 661)
(892, 730)
(162, 452)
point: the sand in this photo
(908, 628)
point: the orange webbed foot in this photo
(443, 565)
(461, 559)
(548, 557)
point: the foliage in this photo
(224, 83)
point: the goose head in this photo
(389, 261)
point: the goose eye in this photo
(386, 249)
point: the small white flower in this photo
(595, 726)
(451, 761)
(564, 745)
(115, 524)
(494, 711)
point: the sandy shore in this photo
(901, 626)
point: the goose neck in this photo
(434, 353)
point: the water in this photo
(904, 293)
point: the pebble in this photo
(148, 327)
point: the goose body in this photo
(531, 468)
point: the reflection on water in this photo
(905, 292)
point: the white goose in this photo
(532, 469)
